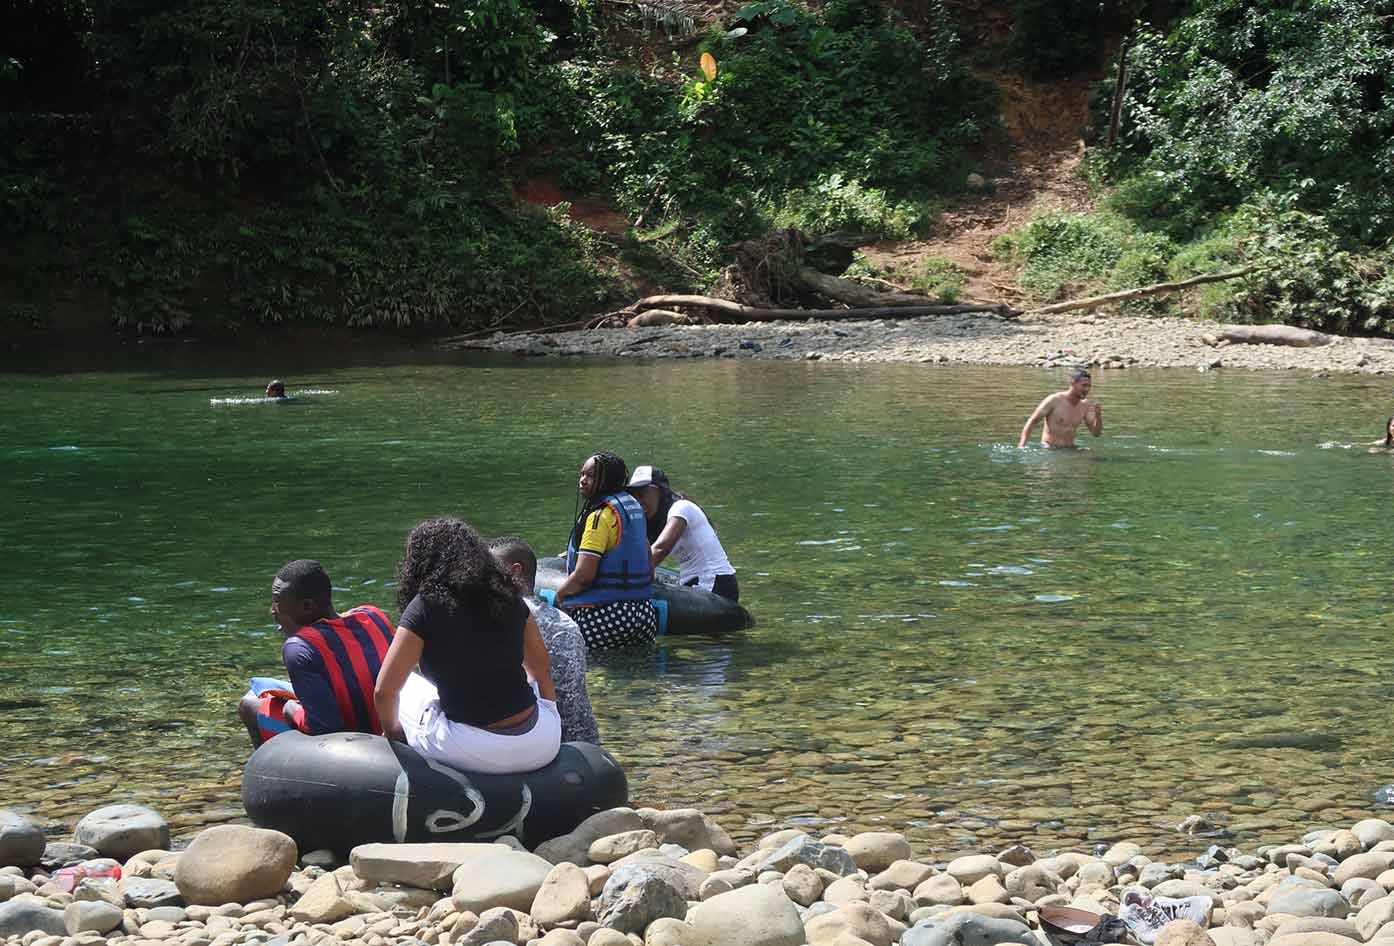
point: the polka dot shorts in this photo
(617, 624)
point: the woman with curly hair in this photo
(472, 706)
(609, 581)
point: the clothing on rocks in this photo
(566, 649)
(617, 624)
(525, 747)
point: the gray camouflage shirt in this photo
(566, 649)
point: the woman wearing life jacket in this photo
(609, 581)
(677, 526)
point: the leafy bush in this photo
(939, 277)
(1057, 38)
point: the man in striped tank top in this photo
(332, 659)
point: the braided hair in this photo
(447, 562)
(610, 475)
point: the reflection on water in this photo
(960, 640)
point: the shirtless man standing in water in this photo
(1063, 412)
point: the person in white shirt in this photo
(679, 527)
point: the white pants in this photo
(433, 734)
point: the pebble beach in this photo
(1105, 341)
(661, 878)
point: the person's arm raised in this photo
(663, 545)
(536, 661)
(1041, 410)
(402, 657)
(1094, 418)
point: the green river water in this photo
(958, 640)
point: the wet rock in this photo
(21, 842)
(1018, 855)
(234, 863)
(122, 831)
(757, 915)
(636, 895)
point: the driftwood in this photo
(1093, 302)
(736, 312)
(1273, 335)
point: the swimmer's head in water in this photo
(276, 389)
(1389, 432)
(516, 557)
(1081, 382)
(300, 594)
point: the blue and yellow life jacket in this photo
(623, 574)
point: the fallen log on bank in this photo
(1273, 335)
(738, 312)
(1093, 302)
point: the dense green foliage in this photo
(353, 162)
(1253, 131)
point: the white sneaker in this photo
(1146, 914)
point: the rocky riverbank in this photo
(661, 878)
(1105, 341)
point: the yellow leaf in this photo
(709, 66)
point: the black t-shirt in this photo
(475, 661)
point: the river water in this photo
(958, 640)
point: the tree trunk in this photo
(1093, 302)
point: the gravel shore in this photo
(1103, 340)
(645, 877)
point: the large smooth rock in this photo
(971, 868)
(234, 863)
(1235, 936)
(1300, 902)
(757, 915)
(636, 895)
(805, 850)
(802, 885)
(19, 917)
(874, 851)
(21, 842)
(572, 847)
(564, 895)
(1372, 831)
(432, 866)
(1370, 864)
(122, 831)
(1319, 924)
(1179, 889)
(148, 892)
(502, 878)
(967, 929)
(11, 886)
(82, 916)
(1309, 939)
(1373, 916)
(689, 828)
(861, 920)
(668, 932)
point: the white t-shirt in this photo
(698, 551)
